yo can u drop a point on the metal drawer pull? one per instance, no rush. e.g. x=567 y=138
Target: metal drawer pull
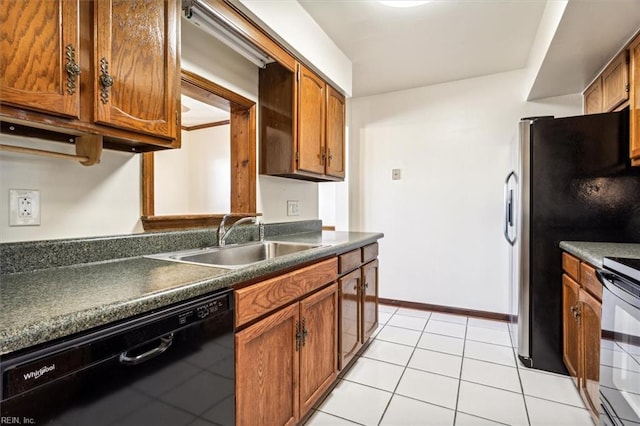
x=165 y=343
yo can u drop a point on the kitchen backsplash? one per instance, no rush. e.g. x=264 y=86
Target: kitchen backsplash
x=35 y=255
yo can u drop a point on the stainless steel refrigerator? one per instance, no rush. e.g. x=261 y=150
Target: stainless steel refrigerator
x=572 y=181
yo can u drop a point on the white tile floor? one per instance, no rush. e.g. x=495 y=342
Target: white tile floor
x=439 y=369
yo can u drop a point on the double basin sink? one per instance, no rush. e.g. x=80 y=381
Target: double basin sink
x=236 y=256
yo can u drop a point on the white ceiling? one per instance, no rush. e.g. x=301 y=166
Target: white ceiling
x=196 y=113
x=447 y=40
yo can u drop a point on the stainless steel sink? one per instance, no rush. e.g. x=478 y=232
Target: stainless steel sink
x=236 y=256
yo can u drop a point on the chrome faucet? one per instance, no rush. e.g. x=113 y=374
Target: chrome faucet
x=223 y=232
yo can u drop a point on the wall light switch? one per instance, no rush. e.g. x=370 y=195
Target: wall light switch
x=293 y=208
x=24 y=207
x=395 y=174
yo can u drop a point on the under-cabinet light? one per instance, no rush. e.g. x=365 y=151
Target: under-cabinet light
x=403 y=3
x=206 y=18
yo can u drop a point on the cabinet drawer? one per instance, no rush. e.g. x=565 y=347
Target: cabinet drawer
x=571 y=266
x=261 y=298
x=369 y=252
x=589 y=280
x=349 y=261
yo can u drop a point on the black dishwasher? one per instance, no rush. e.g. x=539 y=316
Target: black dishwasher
x=173 y=366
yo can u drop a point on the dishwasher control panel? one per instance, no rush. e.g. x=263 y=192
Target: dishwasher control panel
x=204 y=310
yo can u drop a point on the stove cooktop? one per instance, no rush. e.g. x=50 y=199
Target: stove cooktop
x=624 y=266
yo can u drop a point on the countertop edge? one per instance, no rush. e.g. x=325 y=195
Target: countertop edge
x=594 y=252
x=18 y=339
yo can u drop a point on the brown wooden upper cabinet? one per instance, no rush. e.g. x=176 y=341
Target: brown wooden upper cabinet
x=105 y=67
x=610 y=89
x=617 y=88
x=335 y=129
x=634 y=116
x=615 y=83
x=592 y=97
x=39 y=55
x=136 y=60
x=302 y=125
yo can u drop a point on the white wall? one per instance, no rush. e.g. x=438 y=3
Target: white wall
x=105 y=199
x=195 y=179
x=443 y=220
x=76 y=201
x=274 y=193
x=211 y=59
x=551 y=17
x=333 y=197
x=295 y=27
x=210 y=170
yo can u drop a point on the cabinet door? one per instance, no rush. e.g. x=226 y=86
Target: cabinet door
x=319 y=352
x=615 y=83
x=634 y=137
x=350 y=341
x=591 y=314
x=136 y=64
x=335 y=133
x=267 y=370
x=311 y=122
x=369 y=299
x=39 y=40
x=593 y=98
x=570 y=326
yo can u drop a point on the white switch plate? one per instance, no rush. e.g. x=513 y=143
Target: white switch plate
x=293 y=208
x=395 y=174
x=24 y=207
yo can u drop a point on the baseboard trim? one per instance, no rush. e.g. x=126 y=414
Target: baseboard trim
x=446 y=309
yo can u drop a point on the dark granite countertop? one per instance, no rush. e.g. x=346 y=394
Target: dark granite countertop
x=593 y=253
x=43 y=305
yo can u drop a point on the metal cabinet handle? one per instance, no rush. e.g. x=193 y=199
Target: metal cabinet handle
x=165 y=343
x=105 y=80
x=72 y=69
x=298 y=336
x=577 y=313
x=304 y=332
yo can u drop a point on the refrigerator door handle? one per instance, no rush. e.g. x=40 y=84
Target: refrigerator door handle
x=509 y=220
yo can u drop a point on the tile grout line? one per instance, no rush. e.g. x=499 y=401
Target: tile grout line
x=414 y=349
x=464 y=345
x=404 y=369
x=524 y=400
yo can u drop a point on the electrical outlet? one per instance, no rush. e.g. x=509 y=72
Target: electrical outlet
x=293 y=208
x=395 y=174
x=24 y=207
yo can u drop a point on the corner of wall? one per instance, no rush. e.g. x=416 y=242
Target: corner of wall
x=549 y=23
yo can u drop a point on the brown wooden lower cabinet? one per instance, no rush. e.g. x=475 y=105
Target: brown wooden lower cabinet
x=571 y=336
x=267 y=366
x=350 y=318
x=369 y=299
x=319 y=347
x=581 y=315
x=295 y=330
x=358 y=300
x=286 y=361
x=591 y=315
